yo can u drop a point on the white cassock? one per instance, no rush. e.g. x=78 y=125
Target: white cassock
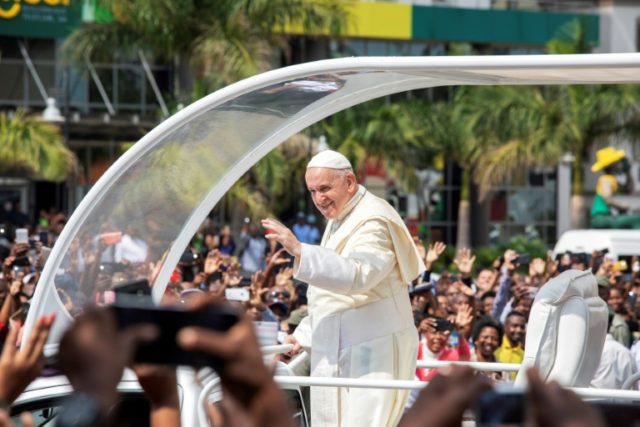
x=360 y=323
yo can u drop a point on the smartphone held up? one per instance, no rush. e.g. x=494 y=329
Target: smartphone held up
x=169 y=321
x=133 y=306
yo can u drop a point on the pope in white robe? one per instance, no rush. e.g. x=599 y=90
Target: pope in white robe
x=360 y=323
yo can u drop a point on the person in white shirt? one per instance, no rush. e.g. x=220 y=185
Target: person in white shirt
x=616 y=365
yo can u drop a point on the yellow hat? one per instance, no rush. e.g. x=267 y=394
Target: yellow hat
x=606 y=157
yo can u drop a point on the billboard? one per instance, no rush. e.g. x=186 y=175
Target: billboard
x=39 y=18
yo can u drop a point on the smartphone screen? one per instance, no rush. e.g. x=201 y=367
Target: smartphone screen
x=164 y=350
x=237 y=294
x=43 y=236
x=499 y=408
x=22 y=235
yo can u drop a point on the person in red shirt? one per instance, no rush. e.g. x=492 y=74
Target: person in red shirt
x=434 y=344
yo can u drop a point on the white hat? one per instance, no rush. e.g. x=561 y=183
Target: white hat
x=329 y=159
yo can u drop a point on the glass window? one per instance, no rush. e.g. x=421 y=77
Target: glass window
x=437 y=50
x=133 y=410
x=354 y=47
x=526 y=205
x=398 y=49
x=419 y=49
x=376 y=48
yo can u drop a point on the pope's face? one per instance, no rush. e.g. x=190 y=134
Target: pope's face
x=330 y=190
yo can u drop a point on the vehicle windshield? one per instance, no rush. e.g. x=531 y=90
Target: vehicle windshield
x=133 y=410
x=138 y=219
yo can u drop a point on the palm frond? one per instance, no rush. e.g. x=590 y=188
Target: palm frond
x=28 y=143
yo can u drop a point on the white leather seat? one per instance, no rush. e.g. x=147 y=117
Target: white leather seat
x=566 y=330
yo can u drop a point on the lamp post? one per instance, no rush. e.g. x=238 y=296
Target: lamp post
x=563 y=204
x=52 y=113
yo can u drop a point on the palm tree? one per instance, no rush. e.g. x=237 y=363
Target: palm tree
x=592 y=113
x=448 y=128
x=28 y=144
x=520 y=129
x=528 y=126
x=375 y=131
x=214 y=42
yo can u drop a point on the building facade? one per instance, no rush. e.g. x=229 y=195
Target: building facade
x=106 y=107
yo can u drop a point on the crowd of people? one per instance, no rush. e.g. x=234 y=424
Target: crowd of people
x=468 y=312
x=215 y=264
x=480 y=313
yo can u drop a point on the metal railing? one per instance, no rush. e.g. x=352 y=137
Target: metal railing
x=126 y=86
x=303 y=381
x=591 y=393
x=478 y=366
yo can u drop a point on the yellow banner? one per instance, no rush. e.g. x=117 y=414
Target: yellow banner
x=372 y=20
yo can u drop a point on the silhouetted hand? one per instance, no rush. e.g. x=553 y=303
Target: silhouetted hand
x=247 y=383
x=553 y=406
x=160 y=384
x=26 y=419
x=18 y=368
x=443 y=402
x=93 y=353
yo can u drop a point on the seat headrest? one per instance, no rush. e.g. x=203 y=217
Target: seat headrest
x=570 y=283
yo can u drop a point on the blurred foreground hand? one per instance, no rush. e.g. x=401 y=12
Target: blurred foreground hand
x=251 y=397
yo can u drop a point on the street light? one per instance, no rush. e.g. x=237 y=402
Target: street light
x=52 y=113
x=322 y=144
x=563 y=196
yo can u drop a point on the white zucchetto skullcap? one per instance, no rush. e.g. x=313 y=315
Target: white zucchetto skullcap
x=329 y=159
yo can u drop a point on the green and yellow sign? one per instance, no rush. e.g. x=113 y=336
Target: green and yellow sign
x=39 y=18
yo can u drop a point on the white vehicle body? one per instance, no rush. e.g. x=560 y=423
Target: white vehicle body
x=167 y=183
x=618 y=242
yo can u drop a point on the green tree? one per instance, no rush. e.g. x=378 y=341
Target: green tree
x=528 y=126
x=448 y=128
x=519 y=130
x=27 y=144
x=377 y=131
x=214 y=42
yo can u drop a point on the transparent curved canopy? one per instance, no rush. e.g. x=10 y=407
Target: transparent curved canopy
x=159 y=192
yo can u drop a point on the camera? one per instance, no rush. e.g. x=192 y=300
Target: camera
x=21 y=261
x=444 y=325
x=522 y=259
x=188 y=258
